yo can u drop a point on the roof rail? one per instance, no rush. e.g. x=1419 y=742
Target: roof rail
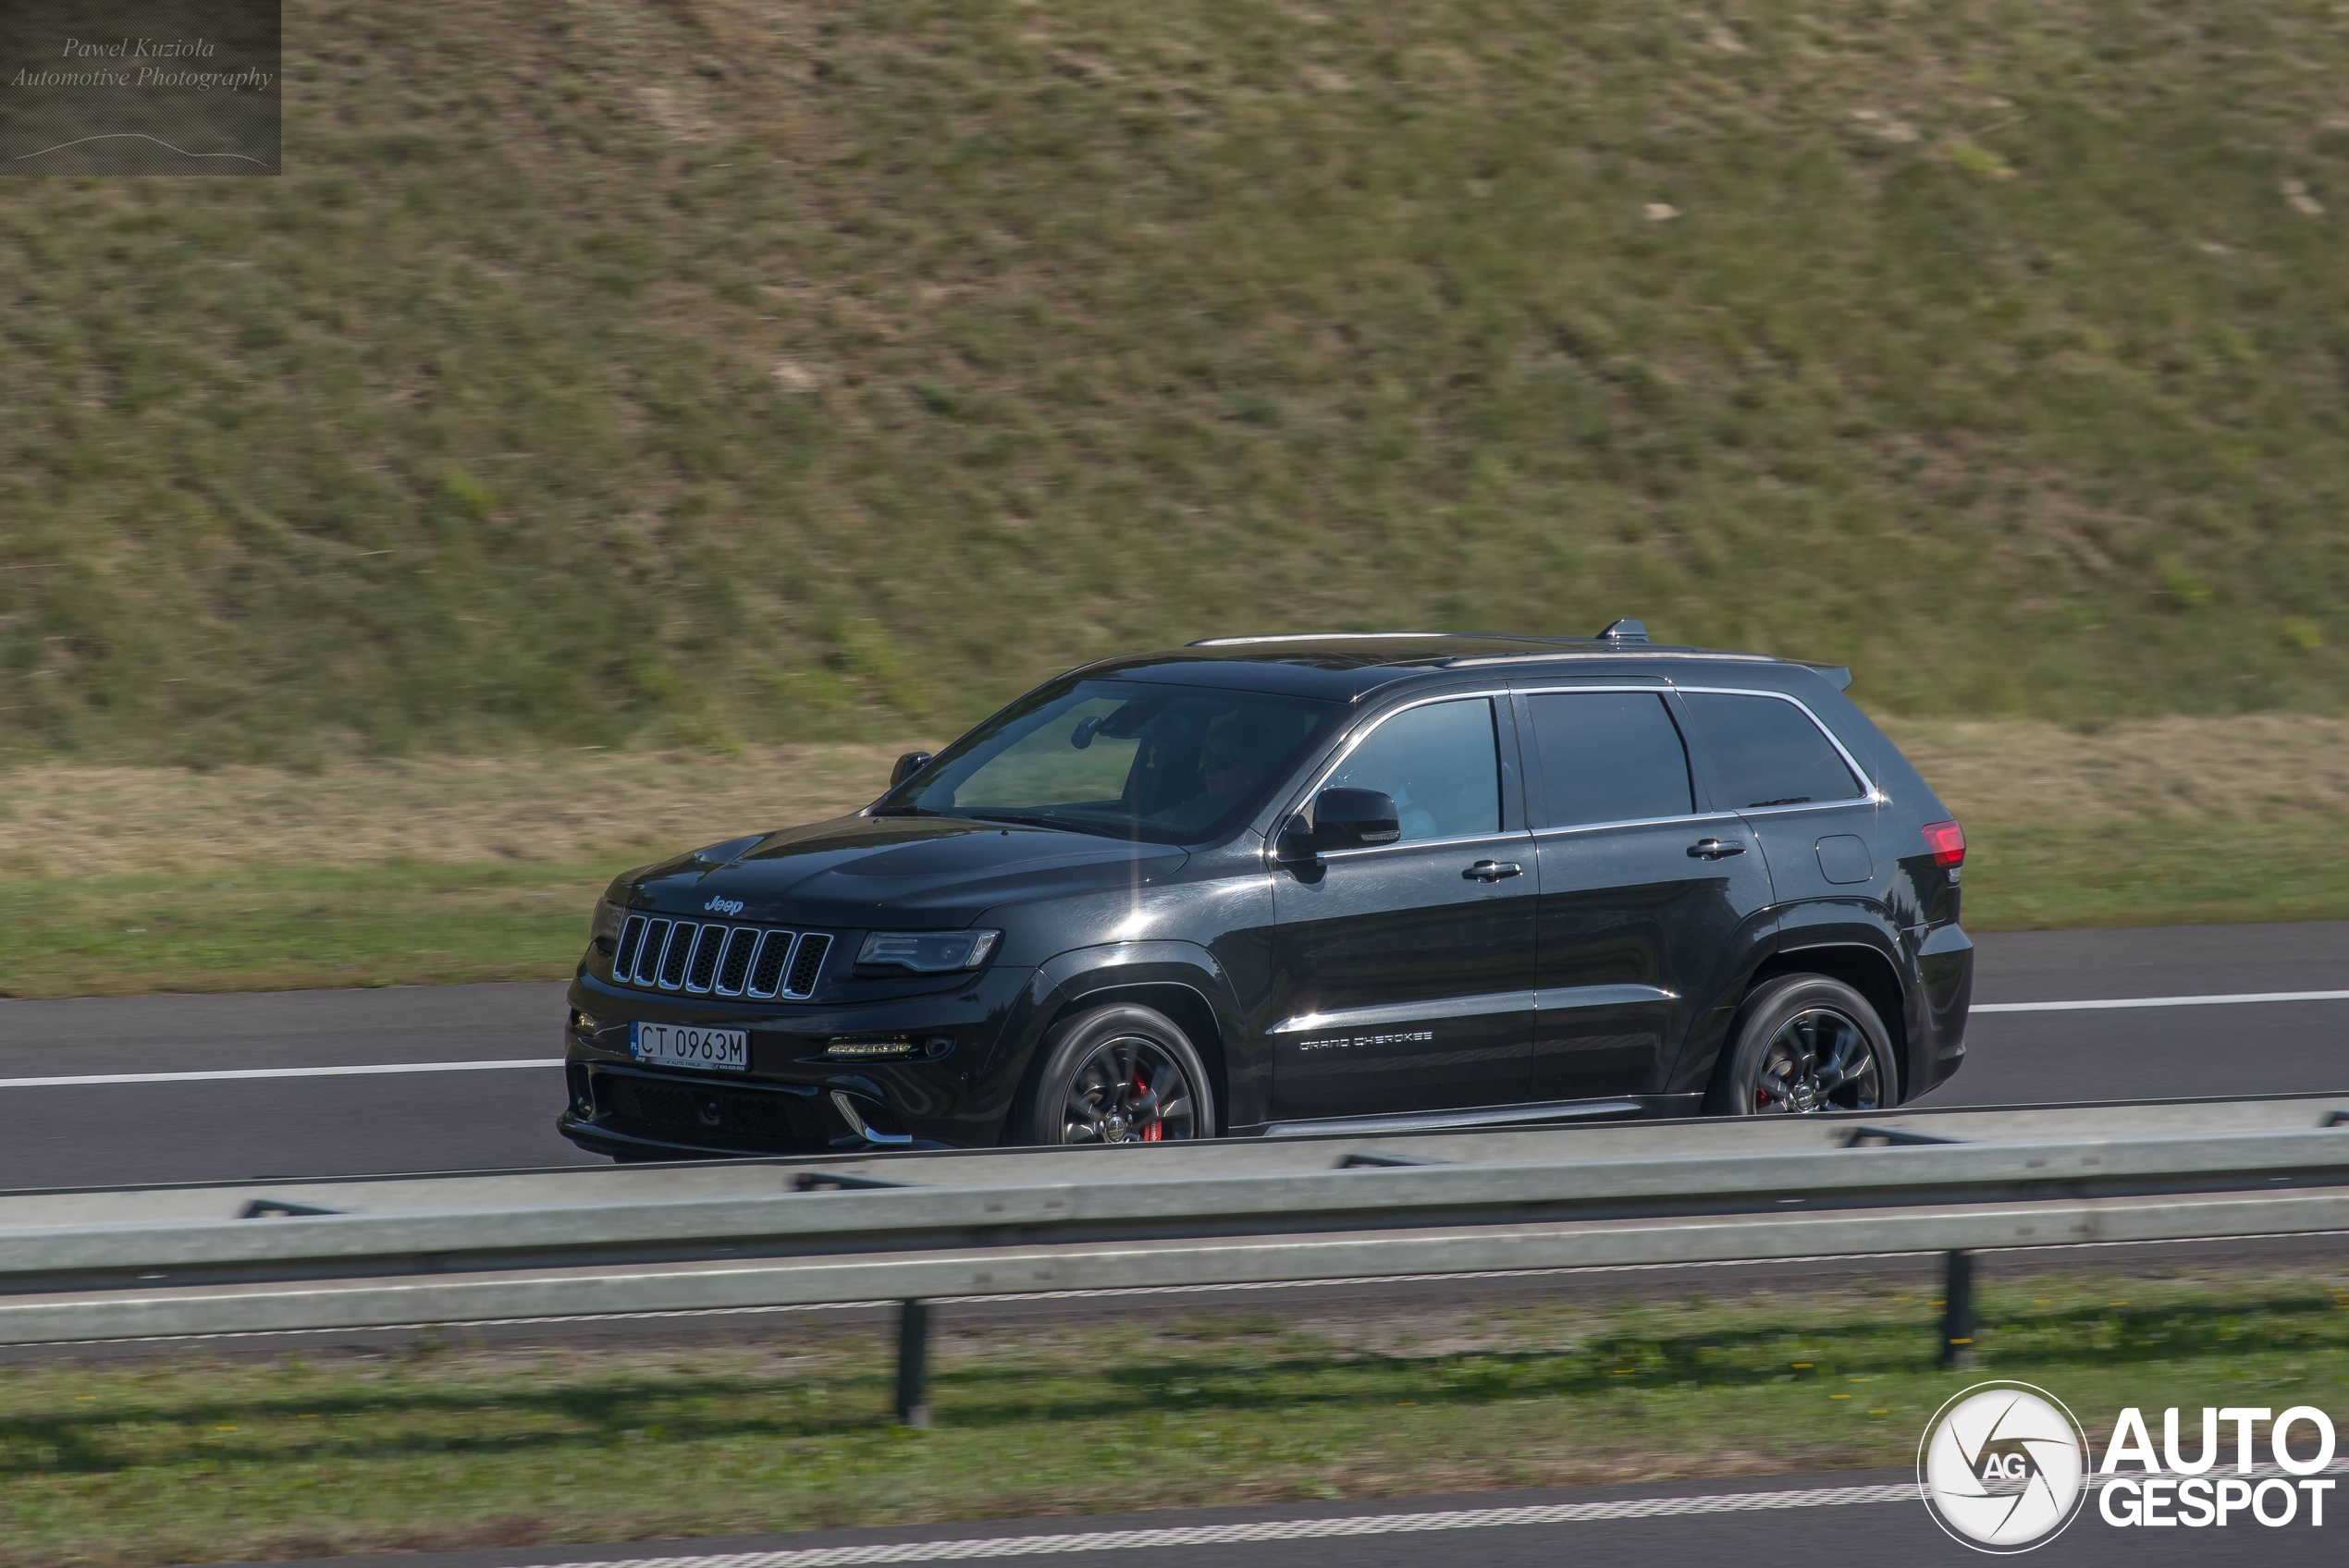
x=1319 y=637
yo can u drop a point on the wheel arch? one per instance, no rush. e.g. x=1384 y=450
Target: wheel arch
x=1178 y=979
x=1867 y=969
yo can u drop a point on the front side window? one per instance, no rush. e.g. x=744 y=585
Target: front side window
x=1610 y=756
x=1768 y=752
x=1169 y=764
x=1441 y=763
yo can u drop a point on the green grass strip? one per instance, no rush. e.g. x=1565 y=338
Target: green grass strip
x=203 y=1459
x=442 y=924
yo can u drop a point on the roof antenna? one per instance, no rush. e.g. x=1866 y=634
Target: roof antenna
x=1624 y=632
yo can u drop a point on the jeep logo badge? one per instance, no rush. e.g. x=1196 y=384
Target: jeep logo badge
x=725 y=906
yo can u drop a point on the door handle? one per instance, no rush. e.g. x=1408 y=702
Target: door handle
x=1493 y=870
x=1715 y=849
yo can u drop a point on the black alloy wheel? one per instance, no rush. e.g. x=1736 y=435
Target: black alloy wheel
x=1804 y=1045
x=1128 y=1090
x=1817 y=1061
x=1118 y=1074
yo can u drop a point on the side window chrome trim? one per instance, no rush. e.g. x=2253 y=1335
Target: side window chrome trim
x=1644 y=822
x=1516 y=835
x=1870 y=800
x=1871 y=796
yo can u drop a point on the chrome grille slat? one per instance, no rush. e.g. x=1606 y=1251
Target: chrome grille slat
x=806 y=964
x=701 y=969
x=674 y=957
x=733 y=968
x=632 y=940
x=774 y=957
x=648 y=957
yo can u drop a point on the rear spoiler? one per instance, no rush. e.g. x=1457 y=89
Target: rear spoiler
x=1838 y=676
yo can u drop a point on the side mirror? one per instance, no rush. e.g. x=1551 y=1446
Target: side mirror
x=908 y=765
x=1354 y=819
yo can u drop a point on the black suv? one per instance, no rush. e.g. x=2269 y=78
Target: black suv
x=1291 y=885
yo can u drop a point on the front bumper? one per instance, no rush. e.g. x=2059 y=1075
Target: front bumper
x=953 y=1092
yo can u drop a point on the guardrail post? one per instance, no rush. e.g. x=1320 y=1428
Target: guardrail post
x=1957 y=1312
x=913 y=1363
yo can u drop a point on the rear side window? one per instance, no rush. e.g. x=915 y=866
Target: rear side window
x=1768 y=752
x=1610 y=756
x=1442 y=765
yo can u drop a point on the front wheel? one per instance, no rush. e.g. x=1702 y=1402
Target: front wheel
x=1118 y=1074
x=1804 y=1045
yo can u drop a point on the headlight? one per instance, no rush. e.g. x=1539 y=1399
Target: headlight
x=604 y=924
x=926 y=953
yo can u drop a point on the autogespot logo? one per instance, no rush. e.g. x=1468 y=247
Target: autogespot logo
x=2003 y=1467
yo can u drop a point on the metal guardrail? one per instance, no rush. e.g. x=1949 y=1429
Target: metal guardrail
x=838 y=1234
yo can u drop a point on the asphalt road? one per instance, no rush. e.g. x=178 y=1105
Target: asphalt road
x=122 y=1132
x=1775 y=1522
x=129 y=1133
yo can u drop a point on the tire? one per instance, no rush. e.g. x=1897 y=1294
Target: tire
x=1085 y=1087
x=1804 y=1044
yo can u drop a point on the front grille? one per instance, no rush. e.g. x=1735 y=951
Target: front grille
x=776 y=1120
x=705 y=958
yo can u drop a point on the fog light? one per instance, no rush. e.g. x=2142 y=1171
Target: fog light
x=864 y=1046
x=585 y=1022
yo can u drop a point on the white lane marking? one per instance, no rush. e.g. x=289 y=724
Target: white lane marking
x=1281 y=1529
x=2164 y=1001
x=393 y=1067
x=1356 y=1525
x=370 y=1070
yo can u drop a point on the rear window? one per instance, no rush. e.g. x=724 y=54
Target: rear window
x=1610 y=756
x=1768 y=752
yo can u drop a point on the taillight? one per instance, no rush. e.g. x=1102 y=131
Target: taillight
x=1946 y=840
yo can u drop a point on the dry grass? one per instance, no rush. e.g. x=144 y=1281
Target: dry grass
x=569 y=808
x=118 y=880
x=561 y=808
x=2255 y=769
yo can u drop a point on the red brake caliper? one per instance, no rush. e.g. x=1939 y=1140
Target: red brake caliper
x=1153 y=1131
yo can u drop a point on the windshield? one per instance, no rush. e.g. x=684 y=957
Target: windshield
x=1171 y=764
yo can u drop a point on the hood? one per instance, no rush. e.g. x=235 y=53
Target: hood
x=895 y=872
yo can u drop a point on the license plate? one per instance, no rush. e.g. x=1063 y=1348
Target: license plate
x=672 y=1044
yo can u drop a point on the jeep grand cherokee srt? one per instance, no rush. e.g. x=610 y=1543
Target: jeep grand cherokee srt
x=1295 y=885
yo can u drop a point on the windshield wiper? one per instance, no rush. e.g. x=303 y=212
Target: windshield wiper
x=903 y=811
x=1788 y=801
x=1037 y=819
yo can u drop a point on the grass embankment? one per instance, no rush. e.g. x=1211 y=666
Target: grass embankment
x=206 y=1460
x=668 y=372
x=131 y=879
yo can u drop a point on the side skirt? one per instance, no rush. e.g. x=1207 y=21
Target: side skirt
x=1490 y=1115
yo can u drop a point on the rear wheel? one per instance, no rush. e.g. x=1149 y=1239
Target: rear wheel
x=1117 y=1074
x=1804 y=1045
